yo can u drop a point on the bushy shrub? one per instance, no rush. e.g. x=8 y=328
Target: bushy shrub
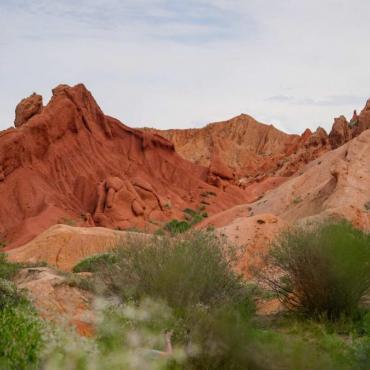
x=10 y=295
x=227 y=339
x=194 y=292
x=7 y=269
x=20 y=328
x=20 y=339
x=93 y=263
x=177 y=227
x=195 y=216
x=322 y=270
x=192 y=268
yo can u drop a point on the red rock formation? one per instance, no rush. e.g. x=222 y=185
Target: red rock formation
x=253 y=151
x=218 y=168
x=318 y=139
x=27 y=108
x=71 y=163
x=244 y=144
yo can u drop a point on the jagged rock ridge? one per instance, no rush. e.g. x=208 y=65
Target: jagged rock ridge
x=68 y=162
x=251 y=150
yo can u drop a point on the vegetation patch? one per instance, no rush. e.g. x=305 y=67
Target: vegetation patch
x=20 y=339
x=195 y=216
x=177 y=227
x=184 y=287
x=182 y=271
x=96 y=262
x=321 y=269
x=20 y=328
x=8 y=269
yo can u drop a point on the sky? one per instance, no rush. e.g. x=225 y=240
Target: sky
x=184 y=63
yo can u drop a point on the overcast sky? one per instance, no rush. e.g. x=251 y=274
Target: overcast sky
x=184 y=63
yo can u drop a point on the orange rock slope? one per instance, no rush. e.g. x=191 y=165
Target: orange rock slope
x=68 y=162
x=336 y=185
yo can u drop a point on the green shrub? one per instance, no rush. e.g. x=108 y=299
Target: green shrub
x=93 y=263
x=321 y=343
x=10 y=295
x=8 y=269
x=194 y=216
x=322 y=270
x=228 y=338
x=20 y=339
x=177 y=227
x=193 y=268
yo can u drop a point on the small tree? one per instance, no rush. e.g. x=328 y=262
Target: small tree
x=322 y=269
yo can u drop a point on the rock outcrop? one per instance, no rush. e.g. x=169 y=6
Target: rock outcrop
x=56 y=300
x=70 y=163
x=340 y=133
x=362 y=121
x=63 y=246
x=27 y=108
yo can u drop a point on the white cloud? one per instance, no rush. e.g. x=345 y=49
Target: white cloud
x=171 y=63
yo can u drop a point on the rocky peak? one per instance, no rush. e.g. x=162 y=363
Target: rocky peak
x=306 y=134
x=71 y=161
x=340 y=132
x=363 y=121
x=318 y=138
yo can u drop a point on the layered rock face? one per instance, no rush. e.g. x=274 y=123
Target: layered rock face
x=336 y=184
x=252 y=151
x=68 y=162
x=242 y=145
